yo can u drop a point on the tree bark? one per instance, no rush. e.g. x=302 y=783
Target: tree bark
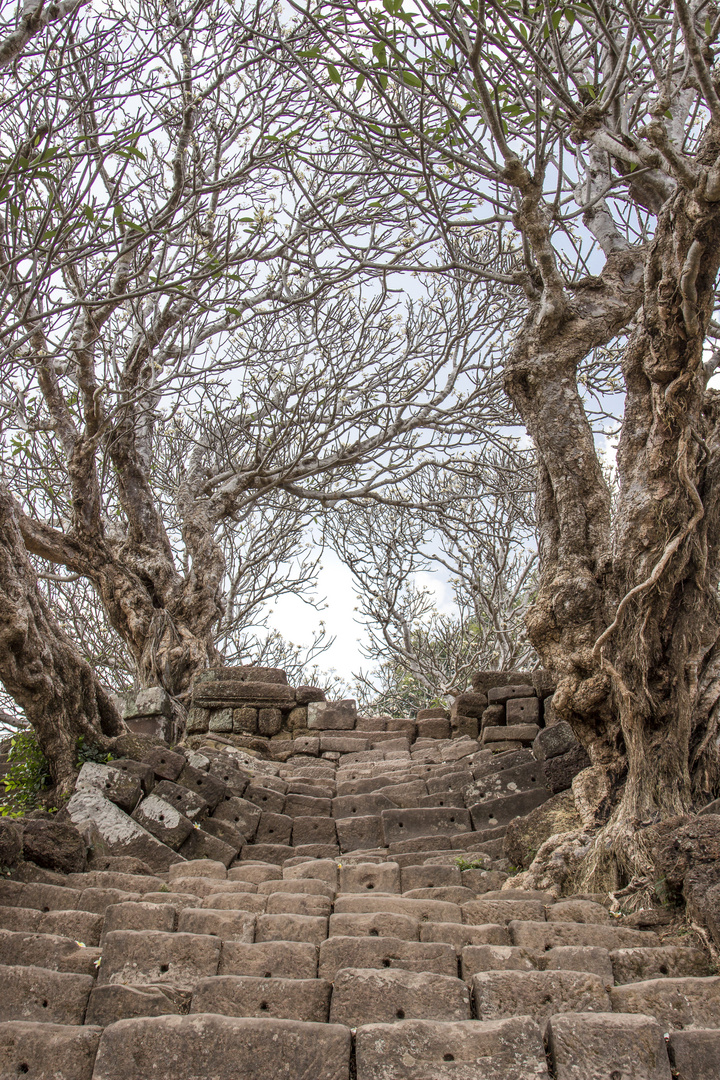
x=627 y=612
x=41 y=668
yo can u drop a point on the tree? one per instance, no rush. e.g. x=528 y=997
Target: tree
x=41 y=667
x=479 y=538
x=583 y=140
x=178 y=337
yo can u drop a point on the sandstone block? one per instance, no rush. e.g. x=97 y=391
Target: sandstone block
x=385 y=952
x=410 y=824
x=274 y=828
x=186 y=802
x=521 y=733
x=522 y=711
x=165 y=763
x=357 y=833
x=430 y=1050
x=695 y=1055
x=423 y=910
x=145 y=957
x=266 y=798
x=540 y=994
x=235 y=901
x=501 y=694
x=51 y=951
x=120 y=835
x=476 y=958
x=307 y=928
x=553 y=741
x=480 y=912
x=47 y=1051
x=560 y=771
x=236 y=693
x=332 y=716
x=202 y=783
x=434 y=728
x=110 y=1003
x=283 y=903
x=307 y=806
x=381 y=877
x=82 y=926
x=37 y=994
x=279 y=999
x=673 y=961
x=120 y=787
x=460 y=935
x=270 y=959
x=596 y=1046
x=368 y=995
x=374 y=924
x=578 y=958
x=227 y=925
x=313 y=830
x=203 y=845
x=140 y=915
x=546 y=935
x=675 y=1003
x=240 y=1047
x=163 y=820
x=502 y=811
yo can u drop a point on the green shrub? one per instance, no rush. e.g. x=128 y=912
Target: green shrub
x=91 y=753
x=471 y=864
x=28 y=776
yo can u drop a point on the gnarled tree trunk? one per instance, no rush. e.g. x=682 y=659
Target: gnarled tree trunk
x=41 y=668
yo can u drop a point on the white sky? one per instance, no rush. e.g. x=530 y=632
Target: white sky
x=296 y=620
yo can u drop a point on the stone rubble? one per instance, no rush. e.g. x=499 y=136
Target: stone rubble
x=338 y=907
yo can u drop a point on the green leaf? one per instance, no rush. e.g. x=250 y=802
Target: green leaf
x=556 y=19
x=411 y=80
x=359 y=82
x=334 y=74
x=708 y=27
x=379 y=53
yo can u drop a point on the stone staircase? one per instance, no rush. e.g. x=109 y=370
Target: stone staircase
x=345 y=915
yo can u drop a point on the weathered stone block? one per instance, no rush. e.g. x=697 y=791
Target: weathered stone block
x=270 y=959
x=502 y=694
x=597 y=1046
x=118 y=786
x=336 y=716
x=119 y=834
x=146 y=957
x=221 y=720
x=47 y=1051
x=522 y=711
x=131 y=1049
x=281 y=999
x=37 y=994
x=162 y=820
x=269 y=721
x=108 y=1004
x=368 y=995
x=430 y=1050
x=695 y=1055
x=540 y=994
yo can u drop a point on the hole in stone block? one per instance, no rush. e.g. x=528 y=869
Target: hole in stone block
x=663 y=969
x=386 y=962
x=46 y=909
x=23 y=1067
x=369 y=885
x=264 y=1006
x=374 y=933
x=400 y=825
x=452 y=819
x=164 y=968
x=161 y=817
x=400 y=1014
x=44 y=1004
x=448 y=1057
x=267 y=975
